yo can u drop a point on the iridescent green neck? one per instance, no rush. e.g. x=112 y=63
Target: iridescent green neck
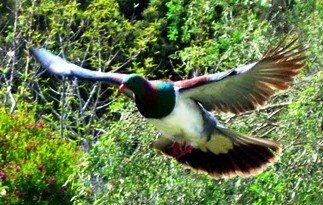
x=157 y=101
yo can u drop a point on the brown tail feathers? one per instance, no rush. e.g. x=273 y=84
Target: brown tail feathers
x=227 y=154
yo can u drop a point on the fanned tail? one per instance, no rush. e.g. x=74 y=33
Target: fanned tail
x=227 y=154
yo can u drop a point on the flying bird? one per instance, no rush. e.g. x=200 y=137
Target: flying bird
x=182 y=110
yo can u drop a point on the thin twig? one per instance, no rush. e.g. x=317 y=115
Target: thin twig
x=229 y=118
x=93 y=91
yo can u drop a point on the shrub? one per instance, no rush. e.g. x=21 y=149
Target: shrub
x=34 y=162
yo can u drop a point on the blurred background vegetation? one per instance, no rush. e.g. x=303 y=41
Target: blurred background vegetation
x=73 y=142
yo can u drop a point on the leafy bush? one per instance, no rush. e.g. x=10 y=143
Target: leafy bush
x=34 y=163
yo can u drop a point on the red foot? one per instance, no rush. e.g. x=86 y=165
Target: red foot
x=179 y=150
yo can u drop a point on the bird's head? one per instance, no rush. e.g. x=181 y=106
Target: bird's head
x=154 y=99
x=135 y=83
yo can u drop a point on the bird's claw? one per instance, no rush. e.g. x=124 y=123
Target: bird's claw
x=179 y=150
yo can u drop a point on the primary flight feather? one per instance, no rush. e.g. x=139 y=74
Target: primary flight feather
x=181 y=110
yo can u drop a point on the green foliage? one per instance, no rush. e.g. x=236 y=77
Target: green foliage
x=160 y=39
x=35 y=163
x=175 y=9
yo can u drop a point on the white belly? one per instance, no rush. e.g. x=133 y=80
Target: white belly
x=185 y=123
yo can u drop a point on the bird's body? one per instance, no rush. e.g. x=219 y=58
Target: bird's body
x=181 y=110
x=184 y=123
x=178 y=118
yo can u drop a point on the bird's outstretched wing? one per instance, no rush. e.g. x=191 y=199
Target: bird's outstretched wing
x=58 y=66
x=242 y=89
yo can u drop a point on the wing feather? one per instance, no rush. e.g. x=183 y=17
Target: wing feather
x=242 y=89
x=58 y=66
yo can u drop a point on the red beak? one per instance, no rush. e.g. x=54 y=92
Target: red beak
x=122 y=87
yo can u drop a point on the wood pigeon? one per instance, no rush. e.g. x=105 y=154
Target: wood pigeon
x=181 y=110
